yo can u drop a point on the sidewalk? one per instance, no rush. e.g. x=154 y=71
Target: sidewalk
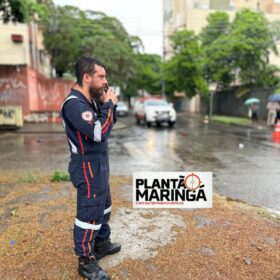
x=53 y=127
x=242 y=122
x=230 y=241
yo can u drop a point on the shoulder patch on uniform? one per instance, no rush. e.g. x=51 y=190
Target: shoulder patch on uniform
x=87 y=116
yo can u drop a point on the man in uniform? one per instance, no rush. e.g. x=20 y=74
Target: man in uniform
x=88 y=118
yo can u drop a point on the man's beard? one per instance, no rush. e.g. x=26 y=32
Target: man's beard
x=96 y=93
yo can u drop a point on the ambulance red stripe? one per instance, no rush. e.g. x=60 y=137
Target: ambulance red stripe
x=84 y=164
x=86 y=177
x=107 y=120
x=83 y=243
x=90 y=239
x=107 y=127
x=81 y=142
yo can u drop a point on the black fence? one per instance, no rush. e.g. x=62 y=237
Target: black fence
x=231 y=102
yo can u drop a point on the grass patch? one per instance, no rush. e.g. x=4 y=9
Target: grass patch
x=60 y=176
x=28 y=178
x=231 y=120
x=234 y=199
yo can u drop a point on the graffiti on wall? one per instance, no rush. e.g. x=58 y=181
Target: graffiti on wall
x=34 y=92
x=7 y=113
x=11 y=115
x=50 y=93
x=12 y=89
x=37 y=117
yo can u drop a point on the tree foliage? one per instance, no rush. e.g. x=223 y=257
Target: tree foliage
x=218 y=25
x=275 y=29
x=223 y=53
x=184 y=71
x=216 y=48
x=70 y=33
x=21 y=10
x=149 y=73
x=251 y=45
x=147 y=76
x=241 y=51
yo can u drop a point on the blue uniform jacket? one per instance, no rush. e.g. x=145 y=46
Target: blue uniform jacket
x=87 y=125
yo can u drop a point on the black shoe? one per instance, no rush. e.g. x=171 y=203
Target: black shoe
x=89 y=269
x=104 y=247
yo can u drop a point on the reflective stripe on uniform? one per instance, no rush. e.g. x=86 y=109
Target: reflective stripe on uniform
x=97 y=131
x=87 y=225
x=68 y=98
x=73 y=146
x=63 y=123
x=107 y=210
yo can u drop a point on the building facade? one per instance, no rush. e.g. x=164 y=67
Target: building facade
x=25 y=73
x=22 y=44
x=192 y=15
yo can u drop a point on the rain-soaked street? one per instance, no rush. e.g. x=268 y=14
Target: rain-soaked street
x=250 y=174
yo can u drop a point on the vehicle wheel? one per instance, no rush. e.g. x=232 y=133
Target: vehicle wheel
x=158 y=124
x=149 y=124
x=171 y=124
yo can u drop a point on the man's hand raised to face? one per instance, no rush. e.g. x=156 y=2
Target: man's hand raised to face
x=110 y=95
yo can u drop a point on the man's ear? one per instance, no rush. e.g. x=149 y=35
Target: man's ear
x=86 y=77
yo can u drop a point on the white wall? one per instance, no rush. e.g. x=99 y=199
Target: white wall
x=14 y=53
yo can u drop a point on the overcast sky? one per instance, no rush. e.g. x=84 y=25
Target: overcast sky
x=140 y=17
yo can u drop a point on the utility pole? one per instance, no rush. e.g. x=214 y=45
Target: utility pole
x=212 y=90
x=185 y=13
x=163 y=47
x=258 y=6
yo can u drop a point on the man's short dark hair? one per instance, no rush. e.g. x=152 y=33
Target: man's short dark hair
x=86 y=65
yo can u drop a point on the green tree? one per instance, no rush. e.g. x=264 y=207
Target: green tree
x=184 y=71
x=71 y=33
x=218 y=25
x=218 y=61
x=240 y=50
x=252 y=43
x=110 y=42
x=217 y=49
x=63 y=37
x=21 y=10
x=147 y=75
x=275 y=29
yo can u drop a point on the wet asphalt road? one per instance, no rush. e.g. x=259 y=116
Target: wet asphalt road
x=251 y=174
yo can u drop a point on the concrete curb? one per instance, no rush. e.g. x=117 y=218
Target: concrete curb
x=259 y=127
x=55 y=129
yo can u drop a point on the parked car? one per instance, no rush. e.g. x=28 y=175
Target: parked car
x=122 y=109
x=156 y=111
